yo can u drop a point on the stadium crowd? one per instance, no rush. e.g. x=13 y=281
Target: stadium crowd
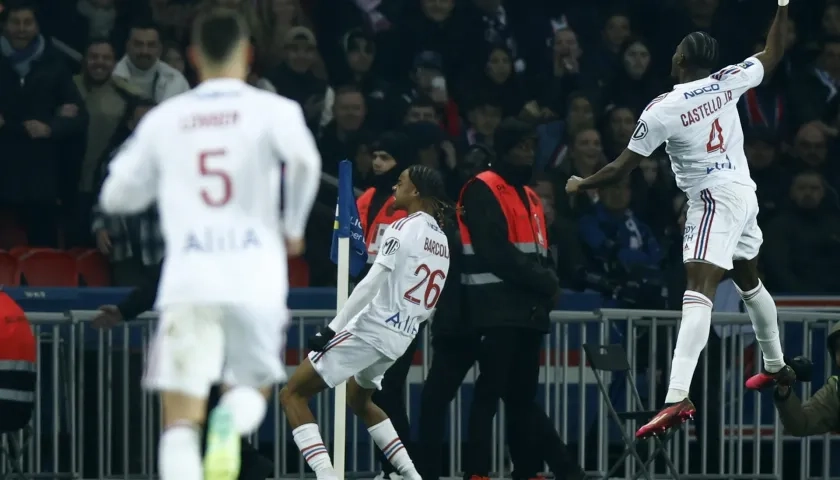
x=438 y=76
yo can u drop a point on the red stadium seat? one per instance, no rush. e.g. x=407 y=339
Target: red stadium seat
x=49 y=268
x=93 y=268
x=77 y=252
x=298 y=273
x=9 y=274
x=21 y=250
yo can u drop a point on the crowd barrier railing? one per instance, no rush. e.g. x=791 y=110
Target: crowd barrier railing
x=92 y=420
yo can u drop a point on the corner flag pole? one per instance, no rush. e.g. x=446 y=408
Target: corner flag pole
x=340 y=425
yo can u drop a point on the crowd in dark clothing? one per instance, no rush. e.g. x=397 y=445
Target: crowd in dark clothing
x=445 y=73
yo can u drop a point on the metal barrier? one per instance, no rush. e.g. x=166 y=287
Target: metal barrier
x=93 y=421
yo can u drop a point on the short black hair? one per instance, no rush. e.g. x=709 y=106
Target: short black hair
x=701 y=50
x=18 y=5
x=97 y=40
x=145 y=24
x=422 y=100
x=217 y=32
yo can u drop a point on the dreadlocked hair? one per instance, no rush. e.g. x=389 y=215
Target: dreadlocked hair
x=430 y=186
x=701 y=50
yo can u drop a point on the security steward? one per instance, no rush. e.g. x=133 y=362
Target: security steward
x=141 y=299
x=509 y=289
x=455 y=350
x=393 y=152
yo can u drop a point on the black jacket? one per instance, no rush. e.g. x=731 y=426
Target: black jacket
x=142 y=298
x=448 y=319
x=530 y=283
x=29 y=168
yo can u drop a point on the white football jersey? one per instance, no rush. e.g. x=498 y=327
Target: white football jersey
x=700 y=125
x=215 y=159
x=416 y=252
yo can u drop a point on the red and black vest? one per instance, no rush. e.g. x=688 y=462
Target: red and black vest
x=17 y=354
x=384 y=217
x=488 y=299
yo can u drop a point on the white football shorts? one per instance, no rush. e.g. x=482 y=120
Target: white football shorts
x=196 y=346
x=347 y=355
x=721 y=226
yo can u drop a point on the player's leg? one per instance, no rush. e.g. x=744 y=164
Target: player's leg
x=254 y=342
x=761 y=308
x=391 y=398
x=185 y=359
x=360 y=390
x=713 y=223
x=325 y=369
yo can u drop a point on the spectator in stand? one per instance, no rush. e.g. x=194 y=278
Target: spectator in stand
x=360 y=52
x=133 y=244
x=484 y=113
x=107 y=99
x=761 y=146
x=421 y=109
x=563 y=75
x=619 y=123
x=336 y=139
x=437 y=151
x=613 y=231
x=427 y=78
x=40 y=108
x=173 y=55
x=766 y=106
x=431 y=25
x=362 y=156
x=295 y=78
x=273 y=21
x=614 y=34
x=486 y=21
x=495 y=75
x=802 y=242
x=142 y=67
x=810 y=152
x=552 y=138
x=585 y=157
x=813 y=94
x=635 y=84
x=652 y=188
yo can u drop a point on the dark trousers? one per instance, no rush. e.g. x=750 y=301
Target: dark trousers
x=509 y=364
x=254 y=466
x=391 y=399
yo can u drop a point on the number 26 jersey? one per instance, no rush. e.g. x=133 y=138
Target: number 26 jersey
x=415 y=251
x=700 y=125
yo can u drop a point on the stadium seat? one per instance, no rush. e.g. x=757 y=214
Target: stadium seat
x=48 y=268
x=93 y=268
x=298 y=273
x=9 y=274
x=76 y=252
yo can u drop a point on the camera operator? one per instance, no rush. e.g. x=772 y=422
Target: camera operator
x=819 y=414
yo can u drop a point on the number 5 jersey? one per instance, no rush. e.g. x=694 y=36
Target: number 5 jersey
x=415 y=251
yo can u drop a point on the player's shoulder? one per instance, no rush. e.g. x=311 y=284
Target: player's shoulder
x=277 y=103
x=737 y=71
x=409 y=223
x=660 y=103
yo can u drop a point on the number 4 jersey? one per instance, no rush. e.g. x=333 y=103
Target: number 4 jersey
x=217 y=161
x=700 y=125
x=415 y=251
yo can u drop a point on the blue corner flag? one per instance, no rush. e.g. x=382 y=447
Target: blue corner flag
x=347 y=223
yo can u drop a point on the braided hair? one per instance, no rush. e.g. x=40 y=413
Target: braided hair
x=430 y=186
x=700 y=50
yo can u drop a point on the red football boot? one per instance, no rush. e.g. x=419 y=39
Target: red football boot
x=671 y=416
x=786 y=376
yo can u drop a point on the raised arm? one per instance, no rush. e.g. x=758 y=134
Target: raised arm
x=774 y=49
